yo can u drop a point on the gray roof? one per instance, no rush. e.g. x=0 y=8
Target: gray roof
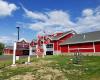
x=62 y=35
x=9 y=47
x=82 y=38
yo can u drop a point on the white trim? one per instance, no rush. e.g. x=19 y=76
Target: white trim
x=60 y=49
x=81 y=42
x=80 y=48
x=68 y=49
x=94 y=47
x=44 y=48
x=63 y=35
x=57 y=47
x=53 y=48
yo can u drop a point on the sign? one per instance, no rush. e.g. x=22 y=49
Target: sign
x=22 y=48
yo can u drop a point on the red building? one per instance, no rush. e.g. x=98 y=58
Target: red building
x=22 y=48
x=70 y=42
x=53 y=42
x=66 y=42
x=58 y=39
x=85 y=42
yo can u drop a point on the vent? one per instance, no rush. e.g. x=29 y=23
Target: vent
x=84 y=36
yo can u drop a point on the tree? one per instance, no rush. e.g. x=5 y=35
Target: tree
x=1 y=48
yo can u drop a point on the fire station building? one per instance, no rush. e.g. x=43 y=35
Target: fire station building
x=63 y=43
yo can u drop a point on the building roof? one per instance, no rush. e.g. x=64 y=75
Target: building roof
x=61 y=35
x=22 y=39
x=22 y=45
x=82 y=38
x=9 y=47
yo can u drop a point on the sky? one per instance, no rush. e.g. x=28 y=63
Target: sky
x=52 y=16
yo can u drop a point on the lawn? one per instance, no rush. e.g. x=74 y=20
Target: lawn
x=56 y=67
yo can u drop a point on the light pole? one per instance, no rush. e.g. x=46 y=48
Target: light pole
x=18 y=28
x=14 y=50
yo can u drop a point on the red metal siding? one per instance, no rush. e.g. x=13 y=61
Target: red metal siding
x=55 y=45
x=83 y=47
x=97 y=46
x=8 y=51
x=64 y=49
x=11 y=51
x=82 y=50
x=63 y=39
x=86 y=50
x=19 y=52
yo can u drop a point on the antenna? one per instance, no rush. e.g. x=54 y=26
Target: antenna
x=84 y=36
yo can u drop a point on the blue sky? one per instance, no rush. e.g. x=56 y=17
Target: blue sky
x=35 y=16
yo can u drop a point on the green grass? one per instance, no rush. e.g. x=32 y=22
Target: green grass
x=88 y=69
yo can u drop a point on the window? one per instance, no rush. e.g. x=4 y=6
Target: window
x=49 y=46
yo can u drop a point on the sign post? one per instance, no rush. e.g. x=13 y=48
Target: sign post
x=37 y=51
x=44 y=48
x=14 y=55
x=30 y=53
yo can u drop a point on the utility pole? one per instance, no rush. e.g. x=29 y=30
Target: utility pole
x=14 y=49
x=18 y=28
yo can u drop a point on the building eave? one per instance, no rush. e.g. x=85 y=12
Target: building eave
x=79 y=42
x=63 y=36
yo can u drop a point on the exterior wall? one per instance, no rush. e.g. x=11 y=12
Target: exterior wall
x=59 y=48
x=8 y=51
x=82 y=50
x=19 y=52
x=83 y=47
x=63 y=39
x=55 y=46
x=97 y=46
x=64 y=49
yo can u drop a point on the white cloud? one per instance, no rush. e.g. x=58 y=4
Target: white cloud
x=59 y=20
x=89 y=22
x=7 y=39
x=6 y=8
x=59 y=17
x=49 y=20
x=37 y=26
x=87 y=12
x=34 y=15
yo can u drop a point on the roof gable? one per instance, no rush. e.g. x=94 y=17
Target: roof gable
x=62 y=35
